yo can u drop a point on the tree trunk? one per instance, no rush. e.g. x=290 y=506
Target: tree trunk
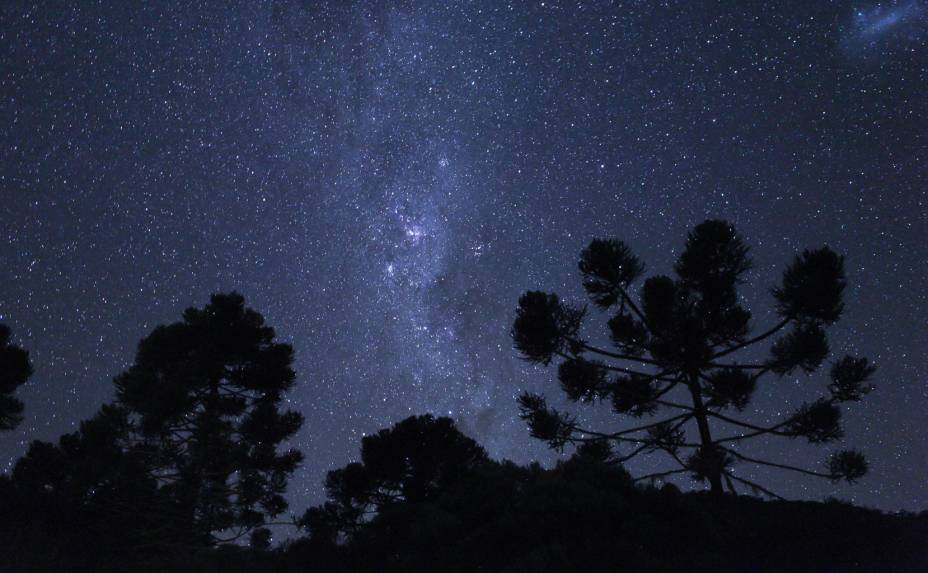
x=705 y=435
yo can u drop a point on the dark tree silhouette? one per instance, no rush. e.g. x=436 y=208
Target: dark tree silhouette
x=15 y=370
x=686 y=335
x=91 y=498
x=202 y=404
x=426 y=499
x=409 y=463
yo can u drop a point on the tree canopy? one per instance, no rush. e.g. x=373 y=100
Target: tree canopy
x=186 y=457
x=202 y=403
x=688 y=336
x=411 y=463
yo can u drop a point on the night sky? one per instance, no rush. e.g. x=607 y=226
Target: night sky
x=383 y=179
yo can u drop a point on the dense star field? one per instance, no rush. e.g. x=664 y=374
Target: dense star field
x=382 y=180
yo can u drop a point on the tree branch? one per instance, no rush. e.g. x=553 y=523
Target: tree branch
x=619 y=356
x=601 y=436
x=728 y=482
x=675 y=405
x=645 y=444
x=661 y=376
x=651 y=425
x=754 y=340
x=770 y=430
x=775 y=465
x=669 y=387
x=627 y=457
x=636 y=310
x=661 y=474
x=736 y=366
x=753 y=485
x=758 y=429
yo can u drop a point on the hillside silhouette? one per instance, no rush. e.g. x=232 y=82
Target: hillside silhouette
x=584 y=514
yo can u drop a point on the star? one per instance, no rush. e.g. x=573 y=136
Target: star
x=382 y=183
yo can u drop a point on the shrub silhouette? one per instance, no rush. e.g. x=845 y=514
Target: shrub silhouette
x=683 y=335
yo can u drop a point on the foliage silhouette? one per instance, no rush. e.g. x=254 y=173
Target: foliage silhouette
x=202 y=407
x=188 y=454
x=15 y=370
x=449 y=508
x=90 y=503
x=186 y=457
x=684 y=335
x=409 y=463
x=585 y=514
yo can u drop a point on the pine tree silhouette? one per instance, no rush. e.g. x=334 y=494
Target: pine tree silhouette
x=684 y=336
x=202 y=402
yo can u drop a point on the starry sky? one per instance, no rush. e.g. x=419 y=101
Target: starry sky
x=383 y=179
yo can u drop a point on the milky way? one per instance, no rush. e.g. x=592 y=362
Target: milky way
x=892 y=25
x=382 y=181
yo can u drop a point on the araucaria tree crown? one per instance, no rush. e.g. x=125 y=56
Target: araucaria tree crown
x=678 y=348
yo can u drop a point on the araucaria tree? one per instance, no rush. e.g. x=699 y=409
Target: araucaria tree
x=679 y=348
x=15 y=369
x=202 y=402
